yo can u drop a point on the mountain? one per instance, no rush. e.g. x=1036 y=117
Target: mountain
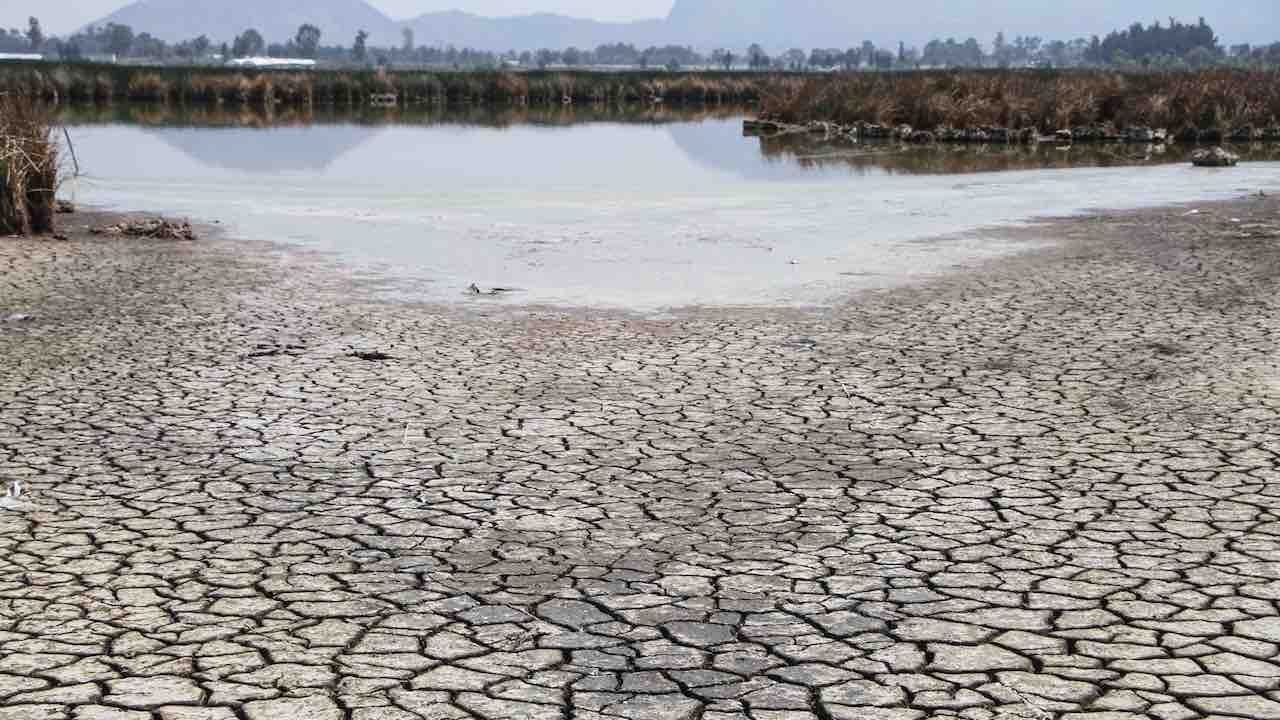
x=705 y=24
x=277 y=20
x=527 y=32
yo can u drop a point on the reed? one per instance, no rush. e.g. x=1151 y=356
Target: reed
x=28 y=169
x=82 y=83
x=1223 y=100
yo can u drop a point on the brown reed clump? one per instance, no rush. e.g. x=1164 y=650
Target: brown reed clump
x=1222 y=100
x=28 y=169
x=148 y=87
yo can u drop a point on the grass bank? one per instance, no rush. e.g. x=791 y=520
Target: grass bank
x=1186 y=103
x=28 y=169
x=77 y=83
x=249 y=116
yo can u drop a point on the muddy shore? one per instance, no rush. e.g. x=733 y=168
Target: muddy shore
x=1043 y=488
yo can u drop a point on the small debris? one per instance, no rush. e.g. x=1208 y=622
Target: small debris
x=475 y=290
x=801 y=343
x=19 y=317
x=372 y=356
x=158 y=228
x=12 y=499
x=61 y=236
x=65 y=207
x=264 y=350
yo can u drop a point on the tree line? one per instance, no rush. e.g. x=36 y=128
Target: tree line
x=1171 y=46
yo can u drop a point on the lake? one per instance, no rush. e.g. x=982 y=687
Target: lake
x=649 y=211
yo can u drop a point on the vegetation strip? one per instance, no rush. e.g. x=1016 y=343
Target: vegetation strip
x=996 y=106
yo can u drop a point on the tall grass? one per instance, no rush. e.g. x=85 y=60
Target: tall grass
x=1223 y=100
x=28 y=168
x=80 y=83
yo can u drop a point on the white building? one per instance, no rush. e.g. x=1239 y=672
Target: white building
x=21 y=57
x=270 y=63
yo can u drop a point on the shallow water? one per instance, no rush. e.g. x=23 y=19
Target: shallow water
x=643 y=215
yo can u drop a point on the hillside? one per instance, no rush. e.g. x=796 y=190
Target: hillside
x=706 y=24
x=531 y=31
x=277 y=20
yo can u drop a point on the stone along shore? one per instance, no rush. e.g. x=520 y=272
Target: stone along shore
x=240 y=487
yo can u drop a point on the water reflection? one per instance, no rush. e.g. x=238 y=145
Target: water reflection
x=641 y=208
x=170 y=116
x=706 y=135
x=878 y=157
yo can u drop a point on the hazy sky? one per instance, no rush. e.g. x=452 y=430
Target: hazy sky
x=60 y=16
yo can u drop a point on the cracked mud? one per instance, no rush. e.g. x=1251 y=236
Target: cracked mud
x=1041 y=489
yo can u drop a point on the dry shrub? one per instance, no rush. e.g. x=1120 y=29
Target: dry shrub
x=28 y=168
x=1221 y=99
x=148 y=87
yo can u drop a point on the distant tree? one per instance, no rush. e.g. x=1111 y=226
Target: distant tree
x=1001 y=51
x=307 y=40
x=35 y=35
x=723 y=58
x=225 y=52
x=248 y=44
x=200 y=46
x=794 y=59
x=572 y=57
x=360 y=50
x=119 y=39
x=545 y=58
x=1201 y=57
x=757 y=58
x=407 y=44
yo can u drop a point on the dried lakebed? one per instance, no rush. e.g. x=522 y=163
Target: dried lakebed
x=1044 y=488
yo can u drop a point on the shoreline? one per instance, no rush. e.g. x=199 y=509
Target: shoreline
x=1031 y=236
x=251 y=486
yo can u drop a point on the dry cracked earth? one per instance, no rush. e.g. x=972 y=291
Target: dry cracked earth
x=247 y=488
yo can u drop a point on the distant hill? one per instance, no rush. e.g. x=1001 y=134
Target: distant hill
x=527 y=32
x=705 y=24
x=277 y=20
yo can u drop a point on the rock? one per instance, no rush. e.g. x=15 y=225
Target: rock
x=1187 y=134
x=1212 y=135
x=65 y=207
x=1139 y=134
x=922 y=137
x=1214 y=158
x=1246 y=133
x=755 y=128
x=1064 y=136
x=874 y=132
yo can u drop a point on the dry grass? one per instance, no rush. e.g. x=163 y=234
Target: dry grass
x=1222 y=100
x=28 y=169
x=85 y=83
